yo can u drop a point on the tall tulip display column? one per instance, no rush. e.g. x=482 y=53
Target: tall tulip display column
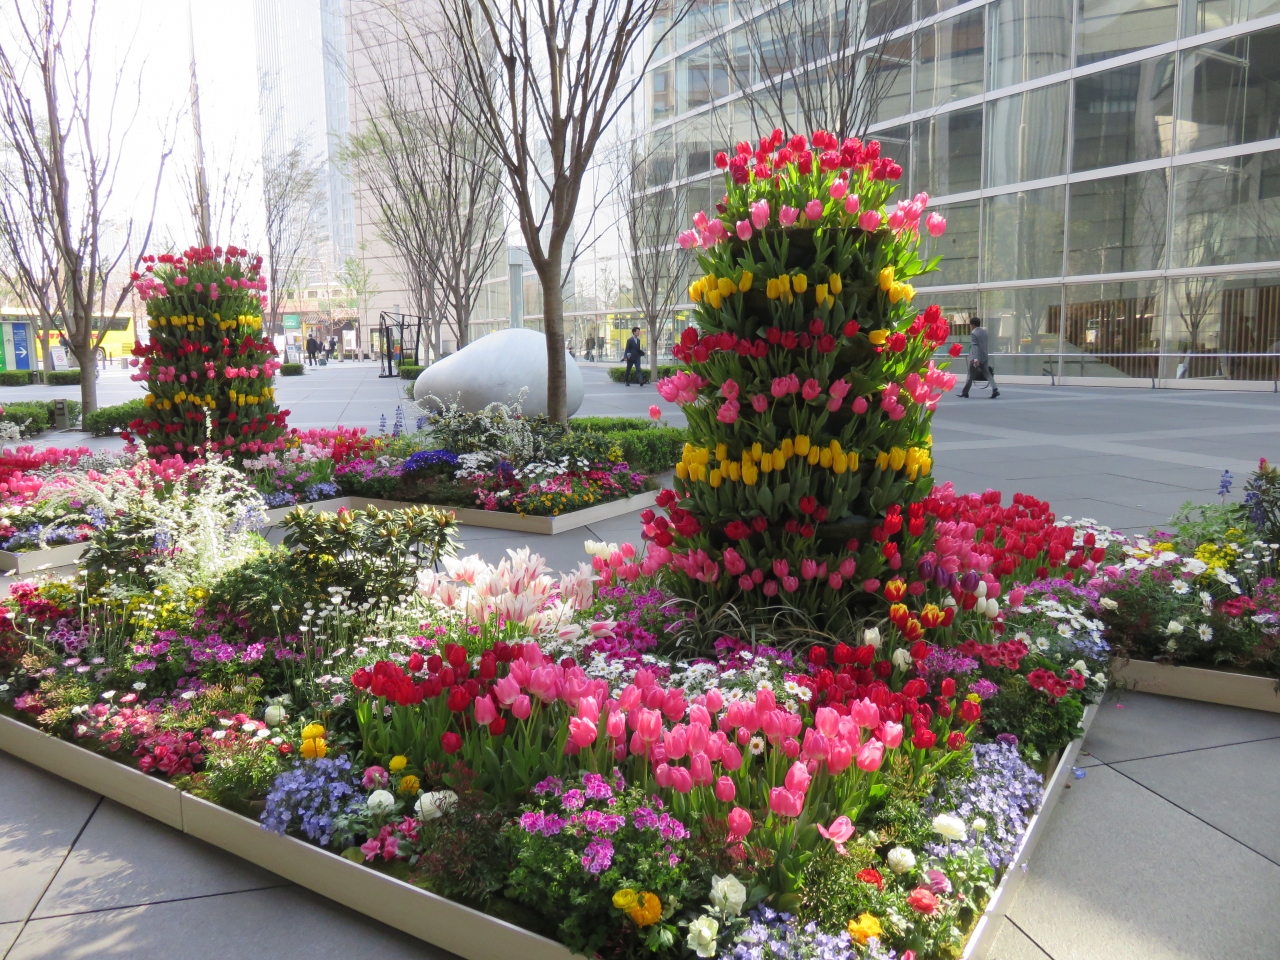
x=809 y=388
x=207 y=366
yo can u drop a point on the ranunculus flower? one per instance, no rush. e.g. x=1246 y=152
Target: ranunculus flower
x=900 y=860
x=728 y=894
x=702 y=936
x=380 y=802
x=922 y=900
x=950 y=826
x=433 y=805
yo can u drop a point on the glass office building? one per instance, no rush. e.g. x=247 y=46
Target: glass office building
x=1109 y=171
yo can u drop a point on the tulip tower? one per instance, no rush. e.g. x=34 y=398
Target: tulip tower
x=207 y=366
x=809 y=386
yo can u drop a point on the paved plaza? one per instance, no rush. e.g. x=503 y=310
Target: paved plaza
x=1165 y=847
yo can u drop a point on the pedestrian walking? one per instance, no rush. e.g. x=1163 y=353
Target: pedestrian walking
x=313 y=347
x=633 y=354
x=979 y=359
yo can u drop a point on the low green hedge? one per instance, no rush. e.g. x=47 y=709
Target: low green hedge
x=105 y=421
x=646 y=446
x=292 y=369
x=409 y=371
x=616 y=374
x=62 y=378
x=15 y=378
x=37 y=415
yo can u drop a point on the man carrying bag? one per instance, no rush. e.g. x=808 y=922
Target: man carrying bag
x=979 y=360
x=633 y=354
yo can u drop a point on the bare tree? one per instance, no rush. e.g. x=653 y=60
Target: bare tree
x=657 y=264
x=63 y=144
x=358 y=279
x=221 y=201
x=546 y=80
x=293 y=195
x=808 y=65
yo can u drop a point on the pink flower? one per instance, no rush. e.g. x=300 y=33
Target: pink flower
x=728 y=412
x=371 y=848
x=864 y=713
x=839 y=756
x=582 y=731
x=739 y=824
x=860 y=405
x=729 y=389
x=786 y=803
x=681 y=780
x=725 y=790
x=871 y=755
x=936 y=224
x=839 y=832
x=744 y=230
x=655 y=412
x=759 y=403
x=700 y=769
x=890 y=734
x=522 y=707
x=486 y=712
x=811 y=389
x=869 y=221
x=375 y=778
x=731 y=757
x=616 y=725
x=760 y=214
x=798 y=778
x=813 y=210
x=851 y=205
x=688 y=239
x=787 y=215
x=838 y=189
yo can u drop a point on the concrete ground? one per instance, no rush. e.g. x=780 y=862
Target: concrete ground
x=1167 y=848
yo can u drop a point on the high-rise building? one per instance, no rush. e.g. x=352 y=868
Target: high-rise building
x=1109 y=170
x=303 y=99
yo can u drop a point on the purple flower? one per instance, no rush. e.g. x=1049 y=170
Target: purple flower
x=572 y=800
x=984 y=688
x=598 y=856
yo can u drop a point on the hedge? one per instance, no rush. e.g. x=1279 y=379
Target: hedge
x=107 y=420
x=62 y=378
x=37 y=414
x=292 y=369
x=409 y=371
x=616 y=374
x=15 y=378
x=645 y=446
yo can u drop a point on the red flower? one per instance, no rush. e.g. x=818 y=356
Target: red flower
x=956 y=740
x=922 y=900
x=451 y=742
x=924 y=739
x=872 y=876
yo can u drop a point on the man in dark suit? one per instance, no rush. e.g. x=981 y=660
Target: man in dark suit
x=633 y=354
x=979 y=359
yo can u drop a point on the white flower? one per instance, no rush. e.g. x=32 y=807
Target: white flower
x=189 y=695
x=1023 y=637
x=274 y=715
x=1180 y=587
x=1206 y=632
x=139 y=686
x=756 y=746
x=702 y=936
x=871 y=637
x=728 y=894
x=902 y=658
x=979 y=825
x=900 y=860
x=1194 y=567
x=1042 y=643
x=1171 y=645
x=1174 y=628
x=380 y=802
x=950 y=826
x=1064 y=630
x=218 y=734
x=108 y=694
x=433 y=805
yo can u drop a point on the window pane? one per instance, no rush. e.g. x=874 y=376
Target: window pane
x=1119 y=223
x=949 y=60
x=662 y=93
x=1022 y=329
x=1108 y=28
x=1201 y=16
x=896 y=144
x=1124 y=115
x=958 y=246
x=889 y=79
x=1023 y=234
x=1211 y=318
x=704 y=16
x=1027 y=39
x=1106 y=321
x=1027 y=136
x=1231 y=92
x=885 y=16
x=1228 y=211
x=948 y=152
x=693 y=149
x=957 y=307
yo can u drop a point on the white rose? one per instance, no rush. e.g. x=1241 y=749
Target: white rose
x=901 y=860
x=728 y=894
x=431 y=806
x=380 y=802
x=702 y=936
x=1174 y=628
x=979 y=825
x=274 y=715
x=950 y=826
x=871 y=637
x=1108 y=604
x=902 y=658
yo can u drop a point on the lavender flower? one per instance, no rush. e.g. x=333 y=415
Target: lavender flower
x=1004 y=791
x=775 y=936
x=311 y=796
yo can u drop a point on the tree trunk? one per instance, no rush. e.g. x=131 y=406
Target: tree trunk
x=553 y=328
x=88 y=380
x=653 y=348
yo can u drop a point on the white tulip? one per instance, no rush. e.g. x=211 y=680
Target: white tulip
x=871 y=637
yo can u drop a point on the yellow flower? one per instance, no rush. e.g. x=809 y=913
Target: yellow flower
x=745 y=283
x=882 y=460
x=878 y=337
x=626 y=899
x=886 y=279
x=814 y=454
x=801 y=445
x=722 y=451
x=727 y=287
x=835 y=282
x=682 y=470
x=315 y=748
x=824 y=458
x=820 y=293
x=800 y=283
x=312 y=730
x=408 y=784
x=398 y=763
x=757 y=451
x=864 y=928
x=771 y=288
x=735 y=471
x=897 y=457
x=788 y=449
x=648 y=911
x=695 y=290
x=713 y=299
x=839 y=463
x=715 y=478
x=749 y=476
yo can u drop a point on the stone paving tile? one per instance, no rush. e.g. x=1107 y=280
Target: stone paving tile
x=1233 y=788
x=1132 y=726
x=8 y=933
x=1121 y=874
x=40 y=817
x=281 y=924
x=124 y=859
x=1012 y=944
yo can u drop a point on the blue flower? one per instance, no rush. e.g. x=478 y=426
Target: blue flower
x=424 y=459
x=311 y=796
x=1003 y=790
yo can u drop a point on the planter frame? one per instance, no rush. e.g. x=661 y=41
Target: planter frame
x=23 y=563
x=437 y=920
x=1197 y=683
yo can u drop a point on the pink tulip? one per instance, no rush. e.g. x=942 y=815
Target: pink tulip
x=700 y=220
x=811 y=389
x=813 y=210
x=731 y=757
x=890 y=734
x=698 y=713
x=790 y=584
x=759 y=403
x=897 y=220
x=507 y=690
x=725 y=790
x=815 y=745
x=676 y=742
x=629 y=699
x=655 y=412
x=771 y=724
x=808 y=568
x=791 y=747
x=765 y=700
x=871 y=755
x=745 y=583
x=786 y=803
x=587 y=709
x=787 y=215
x=639 y=745
x=581 y=731
x=698 y=736
x=715 y=700
x=650 y=725
x=798 y=777
x=688 y=239
x=870 y=221
x=700 y=770
x=728 y=412
x=522 y=707
x=681 y=780
x=616 y=725
x=840 y=388
x=835 y=581
x=839 y=756
x=739 y=824
x=759 y=214
x=839 y=832
x=827 y=721
x=864 y=713
x=729 y=389
x=744 y=229
x=663 y=774
x=838 y=189
x=936 y=224
x=674 y=706
x=851 y=205
x=1016 y=596
x=486 y=712
x=860 y=405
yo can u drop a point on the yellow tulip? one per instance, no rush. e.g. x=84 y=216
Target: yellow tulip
x=715 y=479
x=745 y=283
x=800 y=283
x=897 y=457
x=695 y=291
x=886 y=279
x=853 y=461
x=878 y=337
x=815 y=453
x=749 y=476
x=824 y=458
x=788 y=449
x=766 y=463
x=757 y=452
x=835 y=446
x=713 y=298
x=820 y=293
x=735 y=471
x=722 y=451
x=882 y=460
x=784 y=283
x=726 y=287
x=839 y=463
x=682 y=471
x=835 y=282
x=771 y=288
x=802 y=445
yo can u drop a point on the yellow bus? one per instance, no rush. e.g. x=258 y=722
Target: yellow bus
x=21 y=341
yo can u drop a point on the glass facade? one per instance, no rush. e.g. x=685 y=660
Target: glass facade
x=1109 y=169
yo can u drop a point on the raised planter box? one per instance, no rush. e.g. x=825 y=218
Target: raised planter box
x=1197 y=683
x=437 y=920
x=494 y=519
x=22 y=563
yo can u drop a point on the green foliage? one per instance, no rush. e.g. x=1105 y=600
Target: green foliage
x=62 y=378
x=583 y=449
x=15 y=378
x=1044 y=727
x=31 y=416
x=1197 y=523
x=292 y=369
x=1261 y=507
x=409 y=371
x=647 y=447
x=616 y=374
x=107 y=420
x=465 y=855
